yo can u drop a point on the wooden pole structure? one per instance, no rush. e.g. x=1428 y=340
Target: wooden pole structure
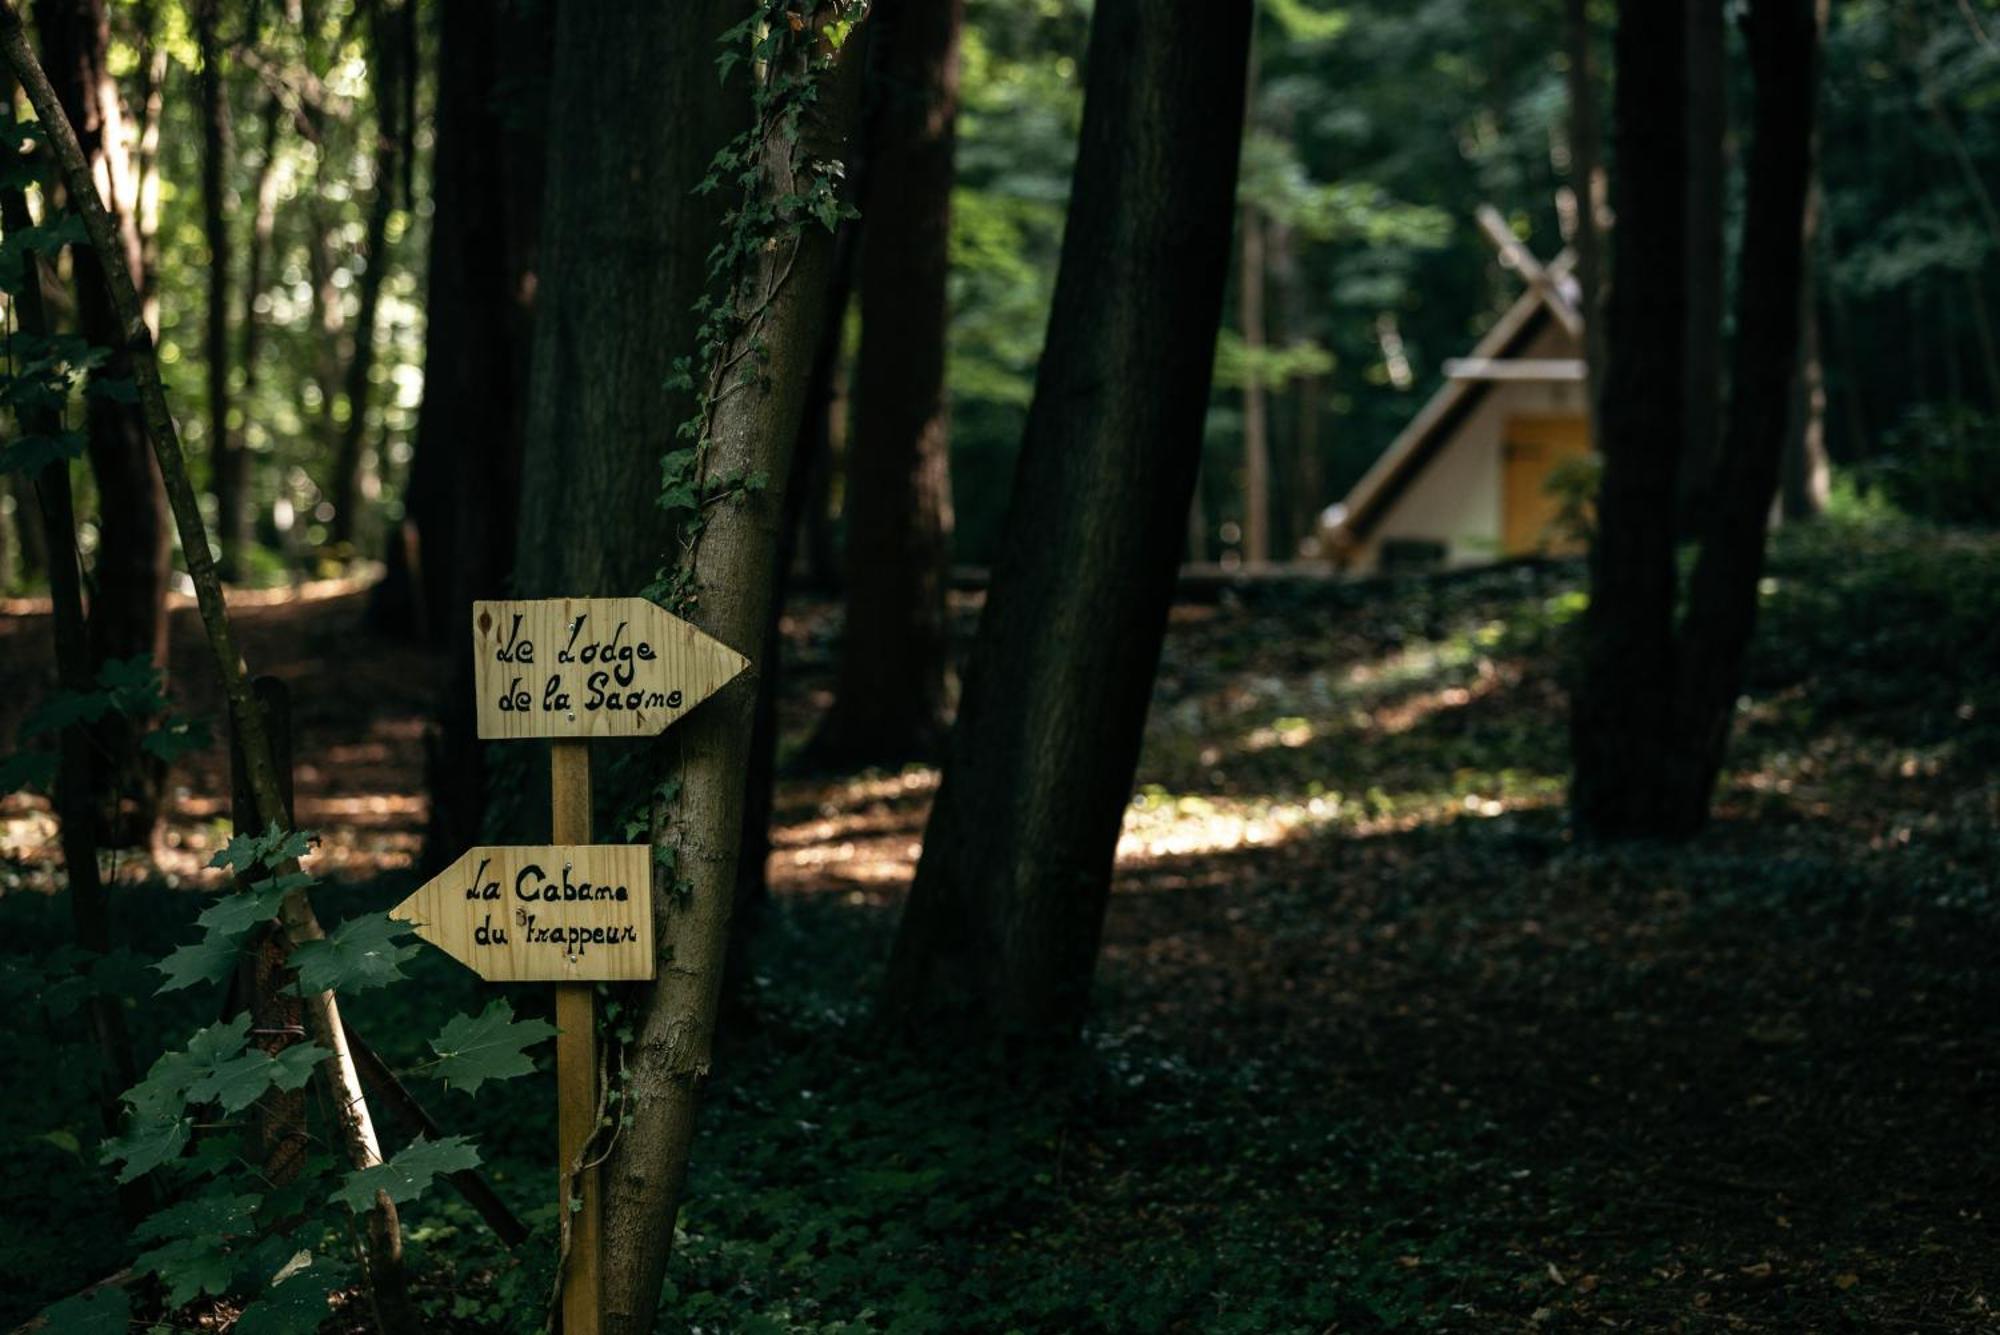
x=576 y=1065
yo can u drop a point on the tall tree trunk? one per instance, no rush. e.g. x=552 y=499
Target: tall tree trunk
x=228 y=462
x=1707 y=126
x=134 y=337
x=1002 y=926
x=811 y=450
x=1586 y=163
x=1621 y=705
x=128 y=610
x=90 y=902
x=893 y=696
x=465 y=482
x=388 y=47
x=1782 y=37
x=633 y=100
x=241 y=511
x=1256 y=402
x=728 y=569
x=1808 y=479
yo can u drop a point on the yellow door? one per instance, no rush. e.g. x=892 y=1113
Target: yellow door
x=1532 y=449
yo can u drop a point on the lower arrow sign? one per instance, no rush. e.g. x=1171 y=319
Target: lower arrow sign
x=572 y=913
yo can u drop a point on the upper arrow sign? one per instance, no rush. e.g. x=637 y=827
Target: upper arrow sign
x=552 y=913
x=590 y=667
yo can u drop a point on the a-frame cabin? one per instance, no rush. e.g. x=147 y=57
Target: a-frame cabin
x=1467 y=481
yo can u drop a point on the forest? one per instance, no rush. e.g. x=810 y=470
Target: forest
x=842 y=666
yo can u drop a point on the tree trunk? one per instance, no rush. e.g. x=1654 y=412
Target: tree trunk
x=134 y=338
x=1001 y=931
x=1783 y=41
x=225 y=446
x=240 y=509
x=810 y=451
x=128 y=612
x=1707 y=124
x=1620 y=708
x=892 y=702
x=1256 y=424
x=465 y=481
x=1586 y=167
x=727 y=567
x=1808 y=480
x=636 y=117
x=350 y=492
x=90 y=902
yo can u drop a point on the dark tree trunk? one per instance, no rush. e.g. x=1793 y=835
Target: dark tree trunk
x=128 y=613
x=1002 y=927
x=263 y=224
x=465 y=482
x=892 y=702
x=228 y=459
x=636 y=116
x=90 y=902
x=809 y=451
x=388 y=47
x=1707 y=127
x=1782 y=37
x=1808 y=479
x=1586 y=150
x=1622 y=703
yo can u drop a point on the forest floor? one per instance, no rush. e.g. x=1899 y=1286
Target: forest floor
x=1377 y=1045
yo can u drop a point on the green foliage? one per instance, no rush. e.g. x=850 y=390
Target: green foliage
x=1943 y=465
x=363 y=952
x=490 y=1046
x=408 y=1173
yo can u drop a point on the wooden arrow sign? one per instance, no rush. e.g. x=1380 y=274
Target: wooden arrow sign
x=590 y=667
x=572 y=913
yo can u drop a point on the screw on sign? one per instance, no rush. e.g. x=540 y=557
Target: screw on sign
x=569 y=912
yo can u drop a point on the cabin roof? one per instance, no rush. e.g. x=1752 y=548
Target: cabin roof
x=1438 y=421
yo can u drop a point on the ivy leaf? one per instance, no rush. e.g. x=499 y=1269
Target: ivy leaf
x=489 y=1046
x=106 y=1312
x=408 y=1174
x=64 y=709
x=218 y=1215
x=250 y=851
x=27 y=769
x=294 y=1306
x=175 y=738
x=359 y=954
x=31 y=454
x=208 y=960
x=235 y=914
x=189 y=1267
x=115 y=389
x=147 y=1145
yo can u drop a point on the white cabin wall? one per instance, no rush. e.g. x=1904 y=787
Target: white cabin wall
x=1456 y=498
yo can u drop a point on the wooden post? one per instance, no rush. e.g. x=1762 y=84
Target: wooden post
x=576 y=1062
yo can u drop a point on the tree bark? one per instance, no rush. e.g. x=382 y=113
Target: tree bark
x=1000 y=934
x=90 y=902
x=698 y=828
x=465 y=481
x=636 y=116
x=893 y=697
x=1586 y=162
x=1782 y=37
x=228 y=462
x=387 y=49
x=1708 y=123
x=128 y=610
x=355 y=1129
x=1621 y=707
x=1808 y=479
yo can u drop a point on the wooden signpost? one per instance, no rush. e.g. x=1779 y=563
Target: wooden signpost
x=570 y=912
